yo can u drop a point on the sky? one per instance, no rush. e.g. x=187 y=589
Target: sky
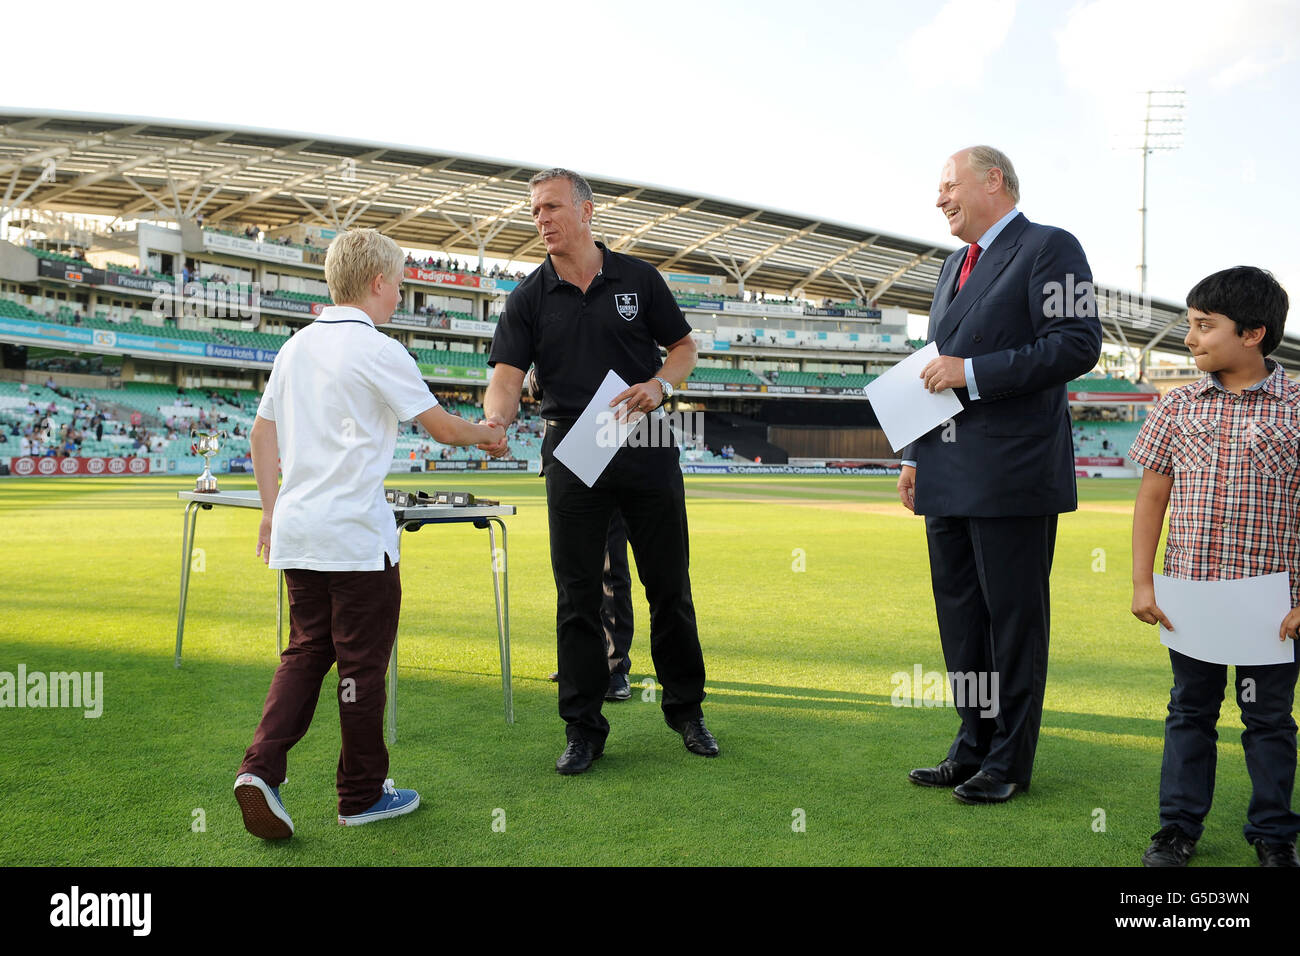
x=836 y=110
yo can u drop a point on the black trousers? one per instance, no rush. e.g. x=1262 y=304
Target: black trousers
x=616 y=615
x=1187 y=769
x=644 y=484
x=992 y=599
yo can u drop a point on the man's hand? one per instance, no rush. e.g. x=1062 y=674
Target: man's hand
x=1290 y=625
x=946 y=371
x=907 y=488
x=498 y=446
x=643 y=398
x=264 y=540
x=1146 y=611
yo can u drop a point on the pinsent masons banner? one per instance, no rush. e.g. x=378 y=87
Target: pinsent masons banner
x=50 y=467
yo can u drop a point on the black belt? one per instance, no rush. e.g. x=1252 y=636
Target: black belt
x=559 y=422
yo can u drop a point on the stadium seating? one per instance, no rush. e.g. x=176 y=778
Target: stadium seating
x=823 y=379
x=1104 y=383
x=60 y=257
x=1118 y=437
x=734 y=376
x=447 y=357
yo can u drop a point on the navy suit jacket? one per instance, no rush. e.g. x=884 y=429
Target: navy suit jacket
x=1027 y=319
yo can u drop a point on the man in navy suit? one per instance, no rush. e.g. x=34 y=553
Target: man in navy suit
x=1014 y=318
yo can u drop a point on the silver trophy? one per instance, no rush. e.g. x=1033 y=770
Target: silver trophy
x=206 y=444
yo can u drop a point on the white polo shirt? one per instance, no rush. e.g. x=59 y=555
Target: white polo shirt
x=336 y=393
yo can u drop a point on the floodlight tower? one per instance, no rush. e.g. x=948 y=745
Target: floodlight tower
x=1162 y=129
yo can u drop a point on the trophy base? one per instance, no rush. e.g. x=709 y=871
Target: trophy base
x=206 y=484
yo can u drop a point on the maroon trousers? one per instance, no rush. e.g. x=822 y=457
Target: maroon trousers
x=344 y=616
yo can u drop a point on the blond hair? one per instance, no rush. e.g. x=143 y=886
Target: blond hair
x=355 y=258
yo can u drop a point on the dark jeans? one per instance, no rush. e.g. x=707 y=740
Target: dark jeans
x=344 y=616
x=1187 y=770
x=645 y=485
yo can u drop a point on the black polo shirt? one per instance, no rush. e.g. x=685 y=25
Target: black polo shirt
x=575 y=338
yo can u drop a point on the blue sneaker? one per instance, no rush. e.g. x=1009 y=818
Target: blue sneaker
x=264 y=814
x=392 y=803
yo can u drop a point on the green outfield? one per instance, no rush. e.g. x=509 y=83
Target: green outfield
x=812 y=593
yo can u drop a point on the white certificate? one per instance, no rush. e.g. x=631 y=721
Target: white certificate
x=590 y=444
x=905 y=407
x=1227 y=622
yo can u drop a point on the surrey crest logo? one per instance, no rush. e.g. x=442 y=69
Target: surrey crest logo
x=626 y=304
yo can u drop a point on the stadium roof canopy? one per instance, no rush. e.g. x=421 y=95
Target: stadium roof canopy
x=132 y=167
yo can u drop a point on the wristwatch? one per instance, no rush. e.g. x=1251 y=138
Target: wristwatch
x=667 y=390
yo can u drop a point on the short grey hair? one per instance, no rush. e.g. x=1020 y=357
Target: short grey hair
x=984 y=158
x=581 y=188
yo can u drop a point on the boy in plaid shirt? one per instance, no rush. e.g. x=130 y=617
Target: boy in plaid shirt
x=1223 y=452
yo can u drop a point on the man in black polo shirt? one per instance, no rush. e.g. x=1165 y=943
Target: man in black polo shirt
x=585 y=311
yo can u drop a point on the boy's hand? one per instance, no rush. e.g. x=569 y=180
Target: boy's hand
x=264 y=540
x=494 y=441
x=1145 y=608
x=1290 y=625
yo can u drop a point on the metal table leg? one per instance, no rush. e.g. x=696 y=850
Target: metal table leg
x=188 y=522
x=501 y=591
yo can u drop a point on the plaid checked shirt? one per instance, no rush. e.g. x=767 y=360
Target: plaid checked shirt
x=1234 y=460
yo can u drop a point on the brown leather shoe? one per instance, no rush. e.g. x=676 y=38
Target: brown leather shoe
x=949 y=774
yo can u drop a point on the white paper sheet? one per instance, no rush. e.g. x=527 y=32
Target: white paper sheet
x=905 y=407
x=590 y=444
x=1227 y=622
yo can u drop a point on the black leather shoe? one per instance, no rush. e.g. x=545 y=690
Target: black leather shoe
x=1170 y=846
x=1276 y=854
x=696 y=736
x=948 y=774
x=982 y=788
x=619 y=688
x=578 y=756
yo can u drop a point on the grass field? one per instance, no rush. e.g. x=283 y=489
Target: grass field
x=799 y=662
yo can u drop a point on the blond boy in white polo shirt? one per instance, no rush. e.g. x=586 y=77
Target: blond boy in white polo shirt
x=330 y=412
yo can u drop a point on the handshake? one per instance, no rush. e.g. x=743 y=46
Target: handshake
x=494 y=441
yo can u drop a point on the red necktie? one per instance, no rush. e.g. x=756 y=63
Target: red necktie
x=972 y=257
